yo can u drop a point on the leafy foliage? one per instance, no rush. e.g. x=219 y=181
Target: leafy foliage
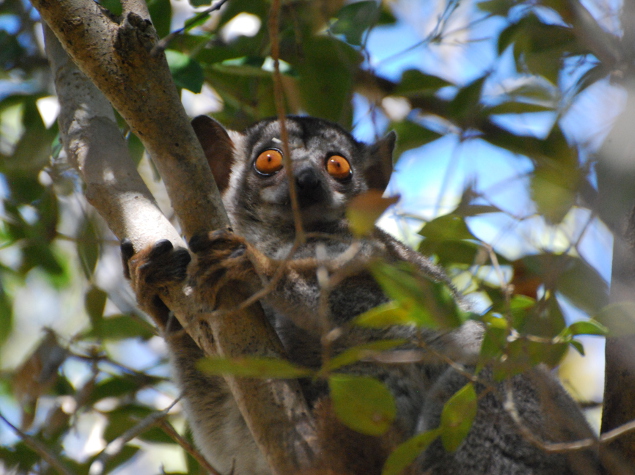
x=542 y=62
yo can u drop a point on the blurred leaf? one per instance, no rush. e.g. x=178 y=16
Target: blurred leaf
x=467 y=101
x=578 y=347
x=552 y=193
x=6 y=314
x=116 y=387
x=449 y=226
x=430 y=304
x=457 y=417
x=411 y=135
x=385 y=315
x=406 y=453
x=365 y=209
x=95 y=303
x=326 y=79
x=493 y=346
x=114 y=6
x=119 y=327
x=497 y=7
x=363 y=404
x=583 y=286
x=161 y=14
x=359 y=352
x=88 y=246
x=414 y=83
x=535 y=90
x=186 y=71
x=516 y=107
x=253 y=367
x=354 y=19
x=588 y=327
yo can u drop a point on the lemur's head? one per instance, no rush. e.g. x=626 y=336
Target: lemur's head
x=329 y=168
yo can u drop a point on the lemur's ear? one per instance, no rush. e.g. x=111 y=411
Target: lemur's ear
x=218 y=148
x=379 y=166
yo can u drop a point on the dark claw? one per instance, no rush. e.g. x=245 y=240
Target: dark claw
x=198 y=242
x=160 y=248
x=238 y=252
x=127 y=251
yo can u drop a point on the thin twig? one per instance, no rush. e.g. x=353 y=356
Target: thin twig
x=274 y=25
x=163 y=44
x=114 y=447
x=166 y=427
x=39 y=448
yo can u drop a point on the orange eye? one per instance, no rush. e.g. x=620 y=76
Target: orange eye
x=269 y=162
x=338 y=167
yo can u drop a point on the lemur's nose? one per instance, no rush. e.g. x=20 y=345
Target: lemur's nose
x=307 y=179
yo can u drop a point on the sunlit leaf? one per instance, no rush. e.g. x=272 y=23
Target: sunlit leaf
x=457 y=417
x=365 y=209
x=588 y=327
x=406 y=453
x=430 y=304
x=362 y=403
x=359 y=352
x=385 y=315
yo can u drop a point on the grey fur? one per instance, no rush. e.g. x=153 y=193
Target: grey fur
x=494 y=445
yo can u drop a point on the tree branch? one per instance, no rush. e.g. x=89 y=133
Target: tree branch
x=115 y=56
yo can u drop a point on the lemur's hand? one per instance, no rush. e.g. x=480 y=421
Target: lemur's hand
x=150 y=271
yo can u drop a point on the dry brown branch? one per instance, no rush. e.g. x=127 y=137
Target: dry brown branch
x=115 y=55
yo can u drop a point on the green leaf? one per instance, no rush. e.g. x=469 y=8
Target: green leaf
x=449 y=226
x=161 y=14
x=552 y=193
x=516 y=107
x=415 y=83
x=95 y=303
x=431 y=304
x=457 y=417
x=114 y=6
x=578 y=346
x=354 y=19
x=119 y=327
x=385 y=315
x=362 y=403
x=365 y=209
x=619 y=318
x=254 y=367
x=359 y=352
x=88 y=246
x=583 y=286
x=496 y=7
x=406 y=453
x=326 y=78
x=467 y=101
x=588 y=327
x=186 y=71
x=411 y=135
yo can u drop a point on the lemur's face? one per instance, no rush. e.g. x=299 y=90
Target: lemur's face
x=325 y=166
x=328 y=168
